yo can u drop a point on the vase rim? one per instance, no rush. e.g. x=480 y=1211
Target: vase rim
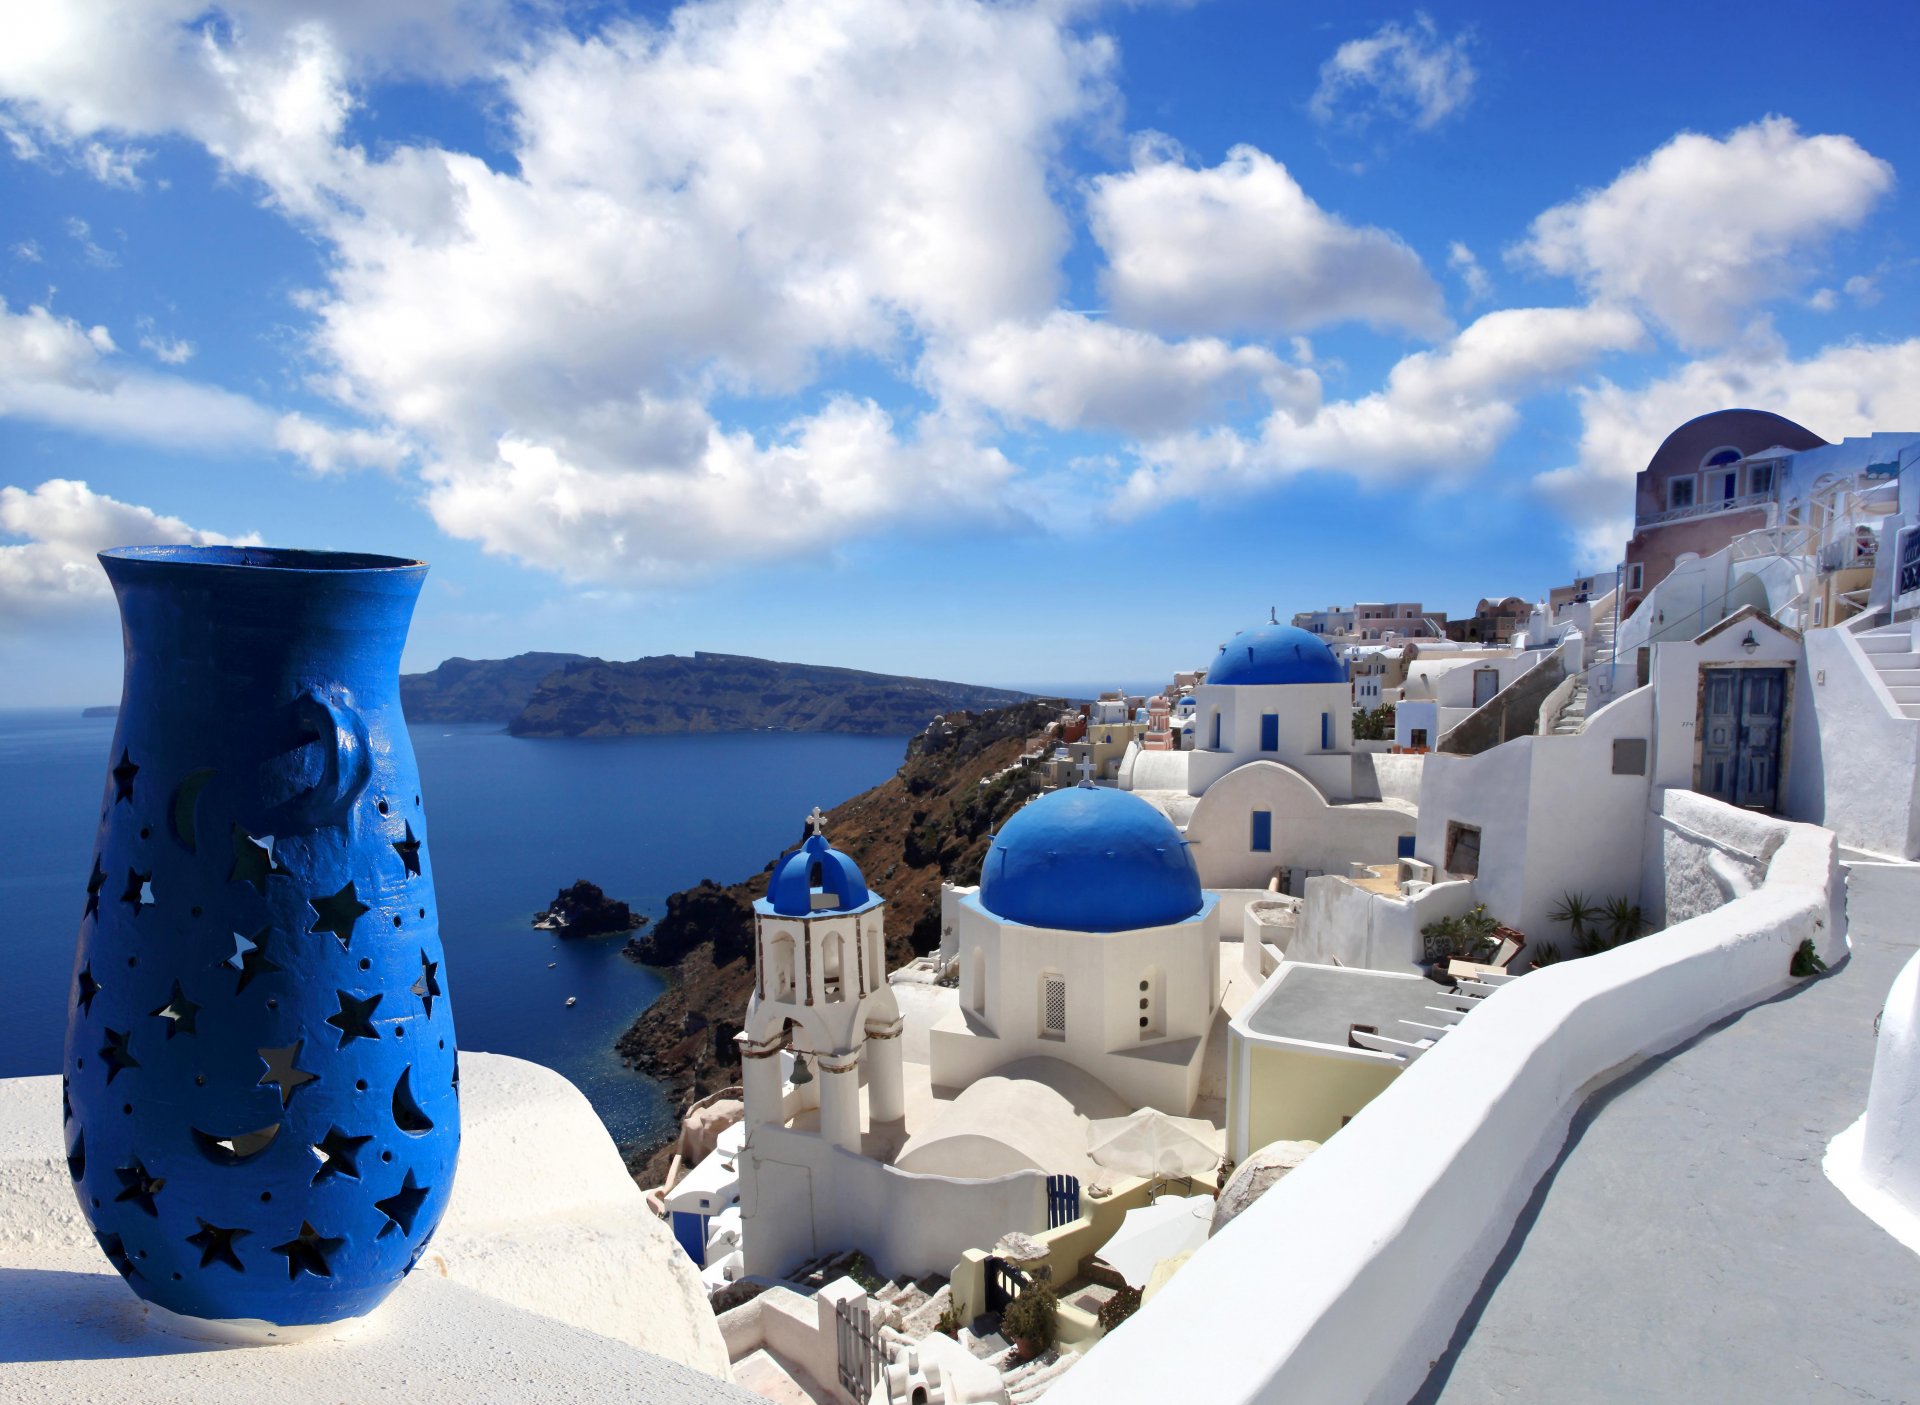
x=295 y=560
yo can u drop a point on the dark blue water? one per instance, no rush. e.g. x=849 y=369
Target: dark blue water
x=510 y=821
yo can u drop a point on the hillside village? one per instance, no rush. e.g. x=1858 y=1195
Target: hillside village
x=1225 y=943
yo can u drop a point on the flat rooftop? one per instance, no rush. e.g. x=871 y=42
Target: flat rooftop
x=1319 y=1003
x=1687 y=1244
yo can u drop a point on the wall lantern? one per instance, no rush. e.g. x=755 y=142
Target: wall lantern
x=1749 y=643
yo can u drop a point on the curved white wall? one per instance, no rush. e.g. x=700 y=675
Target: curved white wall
x=1344 y=1282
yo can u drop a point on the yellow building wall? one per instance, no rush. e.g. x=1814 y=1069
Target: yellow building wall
x=1296 y=1095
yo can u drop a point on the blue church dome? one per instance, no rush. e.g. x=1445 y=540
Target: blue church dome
x=816 y=865
x=1090 y=860
x=1276 y=653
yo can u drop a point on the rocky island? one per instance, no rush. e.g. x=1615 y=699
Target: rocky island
x=571 y=695
x=585 y=911
x=928 y=822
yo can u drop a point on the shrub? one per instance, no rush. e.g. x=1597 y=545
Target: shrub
x=1468 y=937
x=1806 y=961
x=1543 y=954
x=1029 y=1317
x=1119 y=1308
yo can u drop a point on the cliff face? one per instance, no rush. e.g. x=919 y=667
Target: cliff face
x=478 y=690
x=930 y=821
x=732 y=693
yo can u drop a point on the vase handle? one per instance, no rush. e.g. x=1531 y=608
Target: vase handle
x=345 y=760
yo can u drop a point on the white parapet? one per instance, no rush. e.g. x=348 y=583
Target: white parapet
x=548 y=1279
x=1876 y=1161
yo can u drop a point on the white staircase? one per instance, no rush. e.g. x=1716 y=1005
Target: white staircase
x=1573 y=716
x=1895 y=655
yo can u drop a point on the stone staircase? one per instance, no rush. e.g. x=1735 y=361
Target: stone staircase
x=1894 y=653
x=1573 y=717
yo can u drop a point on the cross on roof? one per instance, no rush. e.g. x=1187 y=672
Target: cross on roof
x=816 y=822
x=1086 y=769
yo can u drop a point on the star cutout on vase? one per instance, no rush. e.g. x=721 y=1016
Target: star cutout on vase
x=402 y=1207
x=282 y=1071
x=409 y=851
x=89 y=988
x=116 y=1251
x=216 y=1245
x=355 y=1018
x=139 y=890
x=123 y=775
x=95 y=882
x=337 y=913
x=253 y=859
x=428 y=986
x=339 y=1155
x=139 y=1187
x=116 y=1053
x=179 y=1013
x=77 y=1158
x=250 y=957
x=309 y=1252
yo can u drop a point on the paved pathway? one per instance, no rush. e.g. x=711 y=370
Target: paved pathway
x=1688 y=1247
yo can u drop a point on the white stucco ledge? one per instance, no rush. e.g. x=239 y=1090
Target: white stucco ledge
x=548 y=1280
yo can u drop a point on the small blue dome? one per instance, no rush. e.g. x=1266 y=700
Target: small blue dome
x=795 y=879
x=1090 y=860
x=1275 y=653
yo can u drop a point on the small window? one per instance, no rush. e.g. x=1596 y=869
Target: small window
x=1270 y=731
x=1053 y=1005
x=1216 y=731
x=1404 y=848
x=1760 y=478
x=1680 y=492
x=1721 y=456
x=1262 y=840
x=1463 y=849
x=1416 y=736
x=1326 y=731
x=1723 y=487
x=1630 y=756
x=1636 y=575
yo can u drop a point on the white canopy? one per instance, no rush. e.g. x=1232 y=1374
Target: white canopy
x=1149 y=1142
x=1172 y=1225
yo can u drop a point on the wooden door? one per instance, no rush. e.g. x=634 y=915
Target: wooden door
x=1740 y=717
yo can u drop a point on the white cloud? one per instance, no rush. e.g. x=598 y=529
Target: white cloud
x=82 y=234
x=1705 y=229
x=112 y=165
x=1823 y=300
x=1442 y=413
x=1070 y=372
x=1848 y=388
x=27 y=251
x=1462 y=261
x=1407 y=72
x=54 y=371
x=171 y=351
x=822 y=481
x=1862 y=289
x=65 y=524
x=329 y=449
x=1241 y=247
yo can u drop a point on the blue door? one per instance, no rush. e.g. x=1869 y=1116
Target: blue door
x=1741 y=710
x=691 y=1230
x=1262 y=832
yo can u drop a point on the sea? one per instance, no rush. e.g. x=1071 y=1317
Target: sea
x=510 y=821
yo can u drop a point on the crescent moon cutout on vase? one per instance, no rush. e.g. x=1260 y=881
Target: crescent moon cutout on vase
x=232 y=1151
x=186 y=797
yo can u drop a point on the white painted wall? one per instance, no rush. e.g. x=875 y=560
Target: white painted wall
x=1308 y=832
x=1553 y=817
x=1156 y=770
x=1855 y=764
x=1344 y=1282
x=802 y=1196
x=1299 y=707
x=1341 y=924
x=1103 y=971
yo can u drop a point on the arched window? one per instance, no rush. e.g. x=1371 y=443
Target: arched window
x=833 y=967
x=780 y=966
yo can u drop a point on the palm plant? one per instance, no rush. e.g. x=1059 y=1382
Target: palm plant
x=1624 y=923
x=1580 y=914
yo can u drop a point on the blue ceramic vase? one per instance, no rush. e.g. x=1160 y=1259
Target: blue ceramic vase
x=261 y=1083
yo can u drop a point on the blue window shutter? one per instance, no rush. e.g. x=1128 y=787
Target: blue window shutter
x=1262 y=831
x=1270 y=731
x=1405 y=850
x=1326 y=731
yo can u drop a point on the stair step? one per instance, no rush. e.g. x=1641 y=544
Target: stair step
x=1898 y=642
x=1905 y=694
x=1893 y=663
x=1900 y=677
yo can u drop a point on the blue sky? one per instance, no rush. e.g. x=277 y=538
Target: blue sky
x=1027 y=343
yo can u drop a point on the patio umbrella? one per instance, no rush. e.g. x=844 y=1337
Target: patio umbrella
x=1153 y=1143
x=1172 y=1225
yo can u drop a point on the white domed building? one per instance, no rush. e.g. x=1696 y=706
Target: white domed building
x=1273 y=791
x=1089 y=941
